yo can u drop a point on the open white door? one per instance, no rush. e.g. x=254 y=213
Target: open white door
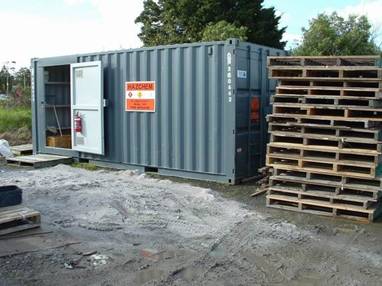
x=86 y=93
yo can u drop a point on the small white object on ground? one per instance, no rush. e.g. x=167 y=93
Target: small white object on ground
x=68 y=266
x=99 y=259
x=5 y=149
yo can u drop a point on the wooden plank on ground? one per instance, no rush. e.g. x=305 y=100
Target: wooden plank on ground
x=19 y=150
x=39 y=160
x=17 y=218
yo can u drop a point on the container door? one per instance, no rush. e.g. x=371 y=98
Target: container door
x=87 y=107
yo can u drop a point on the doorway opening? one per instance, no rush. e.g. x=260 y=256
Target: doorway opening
x=57 y=107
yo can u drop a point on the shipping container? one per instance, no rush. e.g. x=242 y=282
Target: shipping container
x=190 y=110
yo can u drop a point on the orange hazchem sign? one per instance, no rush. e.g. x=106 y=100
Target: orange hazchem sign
x=140 y=96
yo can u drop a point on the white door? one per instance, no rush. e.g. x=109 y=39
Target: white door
x=86 y=93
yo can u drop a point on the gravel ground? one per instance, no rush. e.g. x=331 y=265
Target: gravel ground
x=120 y=228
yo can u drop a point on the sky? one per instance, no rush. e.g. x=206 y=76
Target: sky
x=43 y=28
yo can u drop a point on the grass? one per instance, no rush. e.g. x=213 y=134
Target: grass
x=12 y=119
x=86 y=166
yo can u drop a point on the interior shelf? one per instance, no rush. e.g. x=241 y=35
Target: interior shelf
x=57 y=105
x=58 y=82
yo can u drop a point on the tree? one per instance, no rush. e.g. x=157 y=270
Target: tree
x=17 y=86
x=333 y=35
x=223 y=30
x=182 y=21
x=5 y=77
x=23 y=77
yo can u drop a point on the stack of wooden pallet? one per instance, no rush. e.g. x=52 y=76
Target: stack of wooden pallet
x=325 y=132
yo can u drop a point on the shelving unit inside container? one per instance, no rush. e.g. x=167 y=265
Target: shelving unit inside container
x=57 y=106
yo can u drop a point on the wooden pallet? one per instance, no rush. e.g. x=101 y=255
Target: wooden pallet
x=325 y=135
x=374 y=83
x=323 y=148
x=330 y=90
x=328 y=184
x=20 y=150
x=321 y=194
x=325 y=208
x=310 y=137
x=341 y=167
x=312 y=167
x=361 y=157
x=294 y=75
x=350 y=182
x=326 y=101
x=325 y=73
x=367 y=148
x=18 y=218
x=339 y=131
x=337 y=112
x=39 y=160
x=325 y=61
x=356 y=122
x=310 y=107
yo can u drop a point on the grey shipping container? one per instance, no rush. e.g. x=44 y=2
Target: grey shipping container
x=191 y=110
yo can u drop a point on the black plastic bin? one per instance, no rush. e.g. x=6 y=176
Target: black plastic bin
x=10 y=196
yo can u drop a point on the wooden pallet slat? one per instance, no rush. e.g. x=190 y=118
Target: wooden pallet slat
x=342 y=131
x=17 y=218
x=355 y=122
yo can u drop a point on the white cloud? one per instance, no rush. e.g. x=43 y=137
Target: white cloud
x=31 y=35
x=370 y=8
x=73 y=2
x=292 y=40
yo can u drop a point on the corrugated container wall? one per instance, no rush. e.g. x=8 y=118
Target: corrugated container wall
x=209 y=121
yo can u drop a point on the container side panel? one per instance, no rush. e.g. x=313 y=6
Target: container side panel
x=215 y=118
x=177 y=111
x=34 y=106
x=135 y=132
x=40 y=107
x=252 y=105
x=186 y=132
x=189 y=110
x=124 y=61
x=165 y=112
x=145 y=117
x=154 y=126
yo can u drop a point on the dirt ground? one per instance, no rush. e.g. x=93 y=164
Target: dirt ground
x=18 y=137
x=120 y=228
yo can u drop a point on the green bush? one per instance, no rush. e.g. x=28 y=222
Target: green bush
x=86 y=166
x=12 y=119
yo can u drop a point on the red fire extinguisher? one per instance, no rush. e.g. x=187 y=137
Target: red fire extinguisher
x=77 y=123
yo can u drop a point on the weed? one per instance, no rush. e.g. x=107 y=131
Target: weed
x=86 y=166
x=12 y=119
